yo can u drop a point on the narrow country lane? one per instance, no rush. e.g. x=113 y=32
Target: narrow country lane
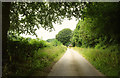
x=73 y=64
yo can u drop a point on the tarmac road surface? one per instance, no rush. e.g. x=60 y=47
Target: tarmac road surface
x=73 y=64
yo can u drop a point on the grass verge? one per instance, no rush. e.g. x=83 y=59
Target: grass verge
x=44 y=59
x=40 y=63
x=104 y=60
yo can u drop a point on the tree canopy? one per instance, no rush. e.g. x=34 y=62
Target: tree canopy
x=100 y=25
x=27 y=17
x=64 y=36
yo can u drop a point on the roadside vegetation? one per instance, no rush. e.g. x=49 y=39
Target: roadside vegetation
x=106 y=61
x=28 y=56
x=97 y=37
x=34 y=15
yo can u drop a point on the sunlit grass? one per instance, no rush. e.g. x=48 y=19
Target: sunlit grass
x=31 y=56
x=104 y=60
x=45 y=57
x=40 y=63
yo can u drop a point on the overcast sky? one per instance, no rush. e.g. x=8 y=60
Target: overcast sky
x=44 y=34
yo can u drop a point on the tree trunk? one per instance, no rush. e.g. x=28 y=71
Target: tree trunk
x=5 y=28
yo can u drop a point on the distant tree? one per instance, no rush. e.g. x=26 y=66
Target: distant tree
x=50 y=40
x=64 y=36
x=35 y=15
x=55 y=42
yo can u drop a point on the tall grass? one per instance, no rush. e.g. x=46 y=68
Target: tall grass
x=45 y=57
x=105 y=60
x=27 y=55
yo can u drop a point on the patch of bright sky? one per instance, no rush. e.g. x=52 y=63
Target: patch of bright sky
x=44 y=34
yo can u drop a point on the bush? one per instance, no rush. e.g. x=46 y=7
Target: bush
x=27 y=55
x=56 y=43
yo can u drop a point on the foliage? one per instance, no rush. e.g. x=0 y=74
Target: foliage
x=82 y=36
x=27 y=17
x=38 y=43
x=27 y=55
x=105 y=18
x=99 y=29
x=23 y=47
x=99 y=26
x=56 y=43
x=106 y=61
x=44 y=57
x=50 y=40
x=64 y=36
